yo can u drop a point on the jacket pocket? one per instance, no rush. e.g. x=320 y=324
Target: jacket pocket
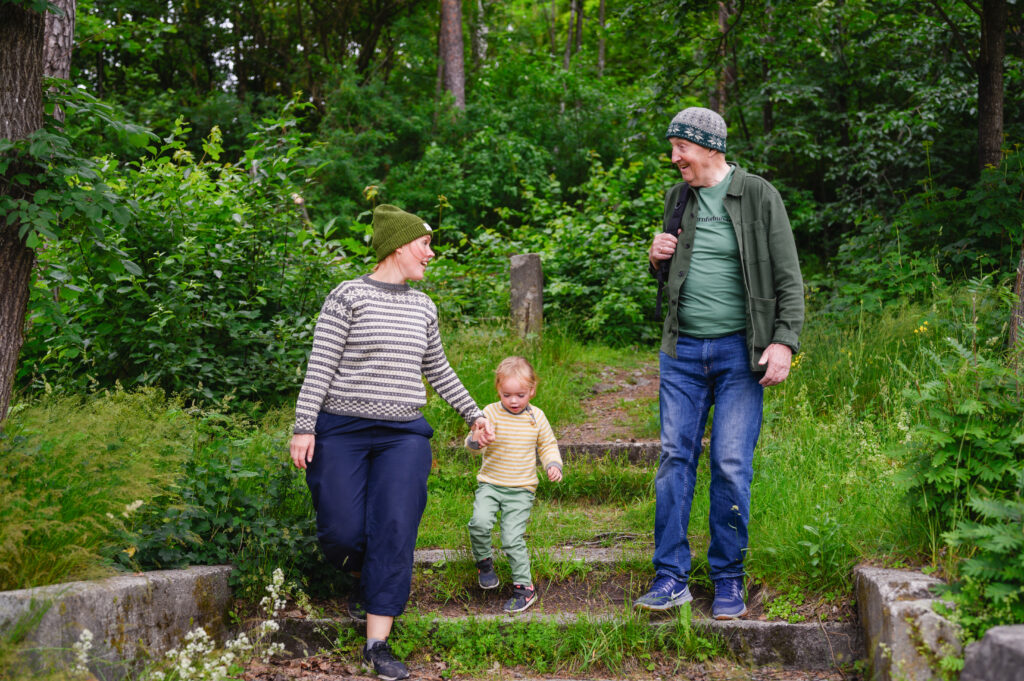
x=762 y=313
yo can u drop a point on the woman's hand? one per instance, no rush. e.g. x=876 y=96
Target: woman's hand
x=483 y=431
x=302 y=449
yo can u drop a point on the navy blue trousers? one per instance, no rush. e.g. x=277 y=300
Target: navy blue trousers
x=368 y=480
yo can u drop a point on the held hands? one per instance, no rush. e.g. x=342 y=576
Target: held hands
x=302 y=449
x=662 y=248
x=482 y=431
x=778 y=357
x=554 y=474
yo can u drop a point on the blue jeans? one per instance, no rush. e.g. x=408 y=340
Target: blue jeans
x=707 y=371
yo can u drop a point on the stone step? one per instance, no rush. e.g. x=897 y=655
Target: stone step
x=805 y=646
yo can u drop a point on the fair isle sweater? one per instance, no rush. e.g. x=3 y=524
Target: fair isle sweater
x=511 y=460
x=372 y=344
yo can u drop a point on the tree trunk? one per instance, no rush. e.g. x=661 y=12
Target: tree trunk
x=990 y=82
x=727 y=75
x=452 y=51
x=578 y=42
x=568 y=40
x=60 y=36
x=600 y=41
x=479 y=41
x=22 y=34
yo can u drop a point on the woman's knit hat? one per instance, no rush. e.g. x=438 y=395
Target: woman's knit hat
x=393 y=228
x=701 y=126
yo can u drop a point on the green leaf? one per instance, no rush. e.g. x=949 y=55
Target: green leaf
x=131 y=267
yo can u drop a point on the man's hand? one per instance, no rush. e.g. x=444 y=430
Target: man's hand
x=662 y=248
x=483 y=431
x=302 y=449
x=777 y=358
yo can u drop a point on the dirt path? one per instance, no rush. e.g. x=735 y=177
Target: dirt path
x=608 y=414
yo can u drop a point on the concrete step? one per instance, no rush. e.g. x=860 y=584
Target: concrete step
x=806 y=646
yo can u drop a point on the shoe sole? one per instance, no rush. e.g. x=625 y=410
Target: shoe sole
x=723 y=616
x=525 y=606
x=488 y=588
x=368 y=668
x=667 y=606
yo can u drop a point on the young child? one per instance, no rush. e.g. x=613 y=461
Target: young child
x=508 y=478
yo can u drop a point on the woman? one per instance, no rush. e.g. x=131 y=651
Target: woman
x=359 y=433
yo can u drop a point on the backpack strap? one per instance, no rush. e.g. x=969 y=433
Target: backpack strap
x=671 y=227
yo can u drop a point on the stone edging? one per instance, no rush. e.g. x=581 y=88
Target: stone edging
x=131 y=617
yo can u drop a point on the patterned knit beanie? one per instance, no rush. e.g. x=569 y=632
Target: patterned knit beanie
x=700 y=126
x=393 y=227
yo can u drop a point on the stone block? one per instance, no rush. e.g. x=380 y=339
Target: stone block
x=903 y=635
x=131 y=617
x=998 y=656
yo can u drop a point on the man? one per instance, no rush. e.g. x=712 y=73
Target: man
x=735 y=310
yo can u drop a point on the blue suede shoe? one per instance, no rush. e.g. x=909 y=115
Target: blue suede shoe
x=666 y=592
x=728 y=603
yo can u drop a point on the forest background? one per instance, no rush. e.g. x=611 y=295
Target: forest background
x=176 y=204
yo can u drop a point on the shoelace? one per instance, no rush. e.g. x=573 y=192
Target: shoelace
x=733 y=589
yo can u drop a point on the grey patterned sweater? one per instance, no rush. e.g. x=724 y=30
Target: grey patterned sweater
x=372 y=344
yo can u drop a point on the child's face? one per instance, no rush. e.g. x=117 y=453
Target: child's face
x=515 y=394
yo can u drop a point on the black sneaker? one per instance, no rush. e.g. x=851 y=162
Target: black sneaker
x=522 y=598
x=384 y=663
x=487 y=578
x=356 y=607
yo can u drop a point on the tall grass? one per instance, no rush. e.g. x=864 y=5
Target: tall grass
x=71 y=468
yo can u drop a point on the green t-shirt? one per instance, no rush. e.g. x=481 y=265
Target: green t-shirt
x=713 y=301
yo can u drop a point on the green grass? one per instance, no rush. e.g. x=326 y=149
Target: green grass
x=71 y=467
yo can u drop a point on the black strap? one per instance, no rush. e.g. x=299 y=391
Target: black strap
x=671 y=227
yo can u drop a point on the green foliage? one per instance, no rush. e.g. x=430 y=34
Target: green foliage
x=73 y=470
x=989 y=590
x=938 y=234
x=209 y=290
x=970 y=439
x=629 y=643
x=237 y=500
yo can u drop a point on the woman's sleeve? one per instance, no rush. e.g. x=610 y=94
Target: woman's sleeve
x=442 y=377
x=329 y=338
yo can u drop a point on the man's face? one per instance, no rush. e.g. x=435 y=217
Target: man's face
x=694 y=162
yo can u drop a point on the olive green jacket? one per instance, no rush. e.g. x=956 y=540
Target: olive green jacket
x=771 y=271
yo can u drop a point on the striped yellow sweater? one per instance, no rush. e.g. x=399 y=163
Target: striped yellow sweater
x=519 y=439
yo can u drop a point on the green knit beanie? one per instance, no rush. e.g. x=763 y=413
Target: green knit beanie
x=393 y=227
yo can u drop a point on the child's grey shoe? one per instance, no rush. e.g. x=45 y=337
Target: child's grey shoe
x=522 y=598
x=487 y=578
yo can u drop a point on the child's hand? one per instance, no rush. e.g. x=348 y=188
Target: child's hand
x=483 y=431
x=554 y=474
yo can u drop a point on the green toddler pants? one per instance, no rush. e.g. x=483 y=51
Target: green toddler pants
x=514 y=503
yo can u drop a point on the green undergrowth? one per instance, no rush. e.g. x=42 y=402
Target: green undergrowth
x=628 y=644
x=73 y=470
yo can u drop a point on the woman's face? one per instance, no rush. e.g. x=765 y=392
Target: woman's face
x=414 y=257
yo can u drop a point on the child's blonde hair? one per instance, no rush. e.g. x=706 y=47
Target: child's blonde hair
x=517 y=367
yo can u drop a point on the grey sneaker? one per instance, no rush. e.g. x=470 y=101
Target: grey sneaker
x=487 y=578
x=522 y=598
x=666 y=592
x=384 y=663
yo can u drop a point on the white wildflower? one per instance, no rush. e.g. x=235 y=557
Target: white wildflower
x=81 y=649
